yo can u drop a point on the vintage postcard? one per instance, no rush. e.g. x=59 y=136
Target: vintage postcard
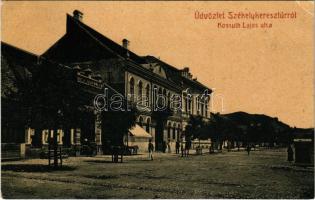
x=157 y=99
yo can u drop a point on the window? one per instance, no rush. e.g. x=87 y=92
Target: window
x=186 y=103
x=178 y=131
x=169 y=130
x=154 y=95
x=132 y=88
x=189 y=105
x=159 y=102
x=147 y=129
x=198 y=105
x=174 y=131
x=147 y=93
x=202 y=108
x=169 y=100
x=206 y=114
x=140 y=91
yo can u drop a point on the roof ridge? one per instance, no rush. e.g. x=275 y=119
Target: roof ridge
x=18 y=48
x=91 y=31
x=101 y=43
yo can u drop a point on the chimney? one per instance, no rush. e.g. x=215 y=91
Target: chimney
x=186 y=69
x=125 y=43
x=78 y=15
x=185 y=72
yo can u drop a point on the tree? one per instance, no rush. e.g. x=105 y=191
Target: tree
x=53 y=99
x=15 y=81
x=195 y=128
x=117 y=124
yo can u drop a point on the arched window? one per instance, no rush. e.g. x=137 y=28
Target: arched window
x=202 y=108
x=159 y=102
x=185 y=102
x=174 y=131
x=206 y=110
x=169 y=130
x=189 y=105
x=140 y=121
x=160 y=91
x=168 y=99
x=148 y=125
x=164 y=97
x=198 y=105
x=132 y=88
x=178 y=131
x=140 y=91
x=147 y=93
x=155 y=90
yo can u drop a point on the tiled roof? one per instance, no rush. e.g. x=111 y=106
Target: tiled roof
x=106 y=42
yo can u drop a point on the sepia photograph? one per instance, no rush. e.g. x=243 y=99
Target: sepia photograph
x=157 y=99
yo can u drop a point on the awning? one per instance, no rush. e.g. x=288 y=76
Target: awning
x=138 y=131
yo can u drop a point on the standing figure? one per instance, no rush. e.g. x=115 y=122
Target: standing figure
x=164 y=146
x=187 y=147
x=248 y=149
x=182 y=148
x=150 y=149
x=177 y=146
x=169 y=146
x=290 y=153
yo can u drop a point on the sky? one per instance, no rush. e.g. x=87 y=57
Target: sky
x=259 y=70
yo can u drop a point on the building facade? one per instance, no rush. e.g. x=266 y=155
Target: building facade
x=150 y=83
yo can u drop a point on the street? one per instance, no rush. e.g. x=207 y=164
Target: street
x=262 y=174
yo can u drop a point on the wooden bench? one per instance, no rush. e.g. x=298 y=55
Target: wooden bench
x=117 y=154
x=51 y=156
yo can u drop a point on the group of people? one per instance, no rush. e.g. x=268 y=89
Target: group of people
x=184 y=147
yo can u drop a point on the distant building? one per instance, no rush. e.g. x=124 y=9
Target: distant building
x=131 y=75
x=303 y=140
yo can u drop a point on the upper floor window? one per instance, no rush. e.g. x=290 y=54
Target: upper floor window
x=140 y=91
x=147 y=93
x=169 y=130
x=169 y=100
x=132 y=88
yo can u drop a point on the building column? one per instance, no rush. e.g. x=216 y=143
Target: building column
x=98 y=133
x=60 y=135
x=28 y=133
x=72 y=136
x=77 y=140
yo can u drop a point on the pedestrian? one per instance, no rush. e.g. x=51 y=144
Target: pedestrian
x=150 y=149
x=248 y=149
x=169 y=146
x=182 y=148
x=164 y=146
x=187 y=147
x=290 y=153
x=177 y=147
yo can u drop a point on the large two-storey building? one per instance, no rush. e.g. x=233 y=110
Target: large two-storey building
x=146 y=80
